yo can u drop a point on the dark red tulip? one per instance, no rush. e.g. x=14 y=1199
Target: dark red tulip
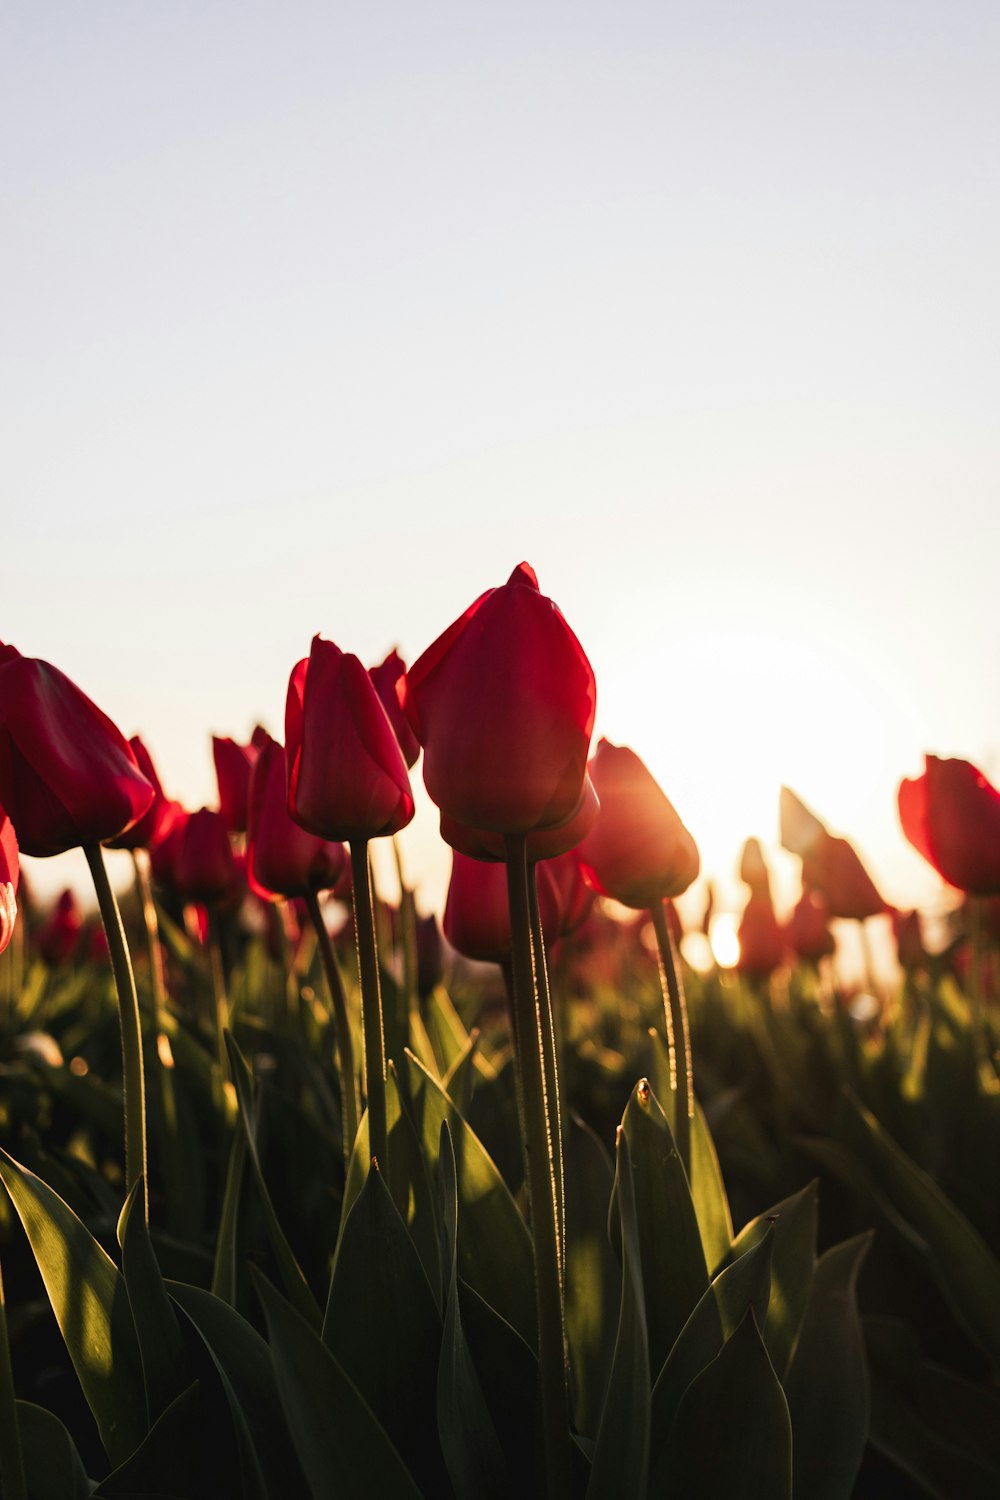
x=386 y=677
x=67 y=775
x=203 y=867
x=156 y=822
x=10 y=871
x=282 y=858
x=477 y=913
x=347 y=779
x=834 y=869
x=762 y=942
x=544 y=844
x=576 y=897
x=233 y=765
x=951 y=815
x=162 y=853
x=808 y=931
x=56 y=939
x=638 y=850
x=503 y=704
x=430 y=964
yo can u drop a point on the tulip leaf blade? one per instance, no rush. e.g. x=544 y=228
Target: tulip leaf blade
x=90 y=1302
x=708 y=1190
x=161 y=1346
x=792 y=1262
x=53 y=1468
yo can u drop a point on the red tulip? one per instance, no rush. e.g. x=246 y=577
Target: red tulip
x=203 y=866
x=951 y=815
x=503 y=704
x=233 y=765
x=386 y=677
x=57 y=938
x=801 y=830
x=830 y=865
x=154 y=824
x=544 y=844
x=638 y=850
x=909 y=937
x=808 y=930
x=346 y=774
x=477 y=913
x=282 y=858
x=67 y=775
x=762 y=942
x=576 y=897
x=753 y=867
x=10 y=870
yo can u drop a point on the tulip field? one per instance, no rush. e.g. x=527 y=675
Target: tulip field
x=309 y=1194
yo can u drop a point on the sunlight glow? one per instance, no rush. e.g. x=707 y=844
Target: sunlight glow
x=724 y=941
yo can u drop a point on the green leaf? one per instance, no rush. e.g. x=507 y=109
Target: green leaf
x=242 y=1364
x=383 y=1327
x=291 y=1272
x=445 y=1029
x=342 y=1447
x=460 y=1076
x=708 y=1191
x=674 y=1274
x=621 y=1452
x=744 y=1285
x=494 y=1248
x=225 y=1277
x=184 y=1455
x=731 y=1436
x=52 y=1466
x=593 y=1273
x=161 y=1346
x=827 y=1383
x=966 y=1269
x=508 y=1374
x=792 y=1264
x=932 y=1424
x=91 y=1306
x=468 y=1438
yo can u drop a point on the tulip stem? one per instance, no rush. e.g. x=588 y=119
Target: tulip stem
x=162 y=1079
x=350 y=1104
x=541 y=1174
x=678 y=1036
x=133 y=1080
x=371 y=1003
x=551 y=1060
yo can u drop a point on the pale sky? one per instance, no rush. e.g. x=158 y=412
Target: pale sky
x=320 y=317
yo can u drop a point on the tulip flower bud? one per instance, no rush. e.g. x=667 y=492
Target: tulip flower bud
x=157 y=821
x=808 y=930
x=387 y=677
x=282 y=858
x=951 y=815
x=477 y=913
x=761 y=940
x=204 y=867
x=830 y=866
x=67 y=775
x=347 y=778
x=638 y=850
x=503 y=704
x=233 y=765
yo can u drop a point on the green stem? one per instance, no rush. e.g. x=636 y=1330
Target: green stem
x=161 y=1077
x=220 y=997
x=551 y=1055
x=371 y=1004
x=678 y=1037
x=350 y=1103
x=133 y=1080
x=12 y=1481
x=540 y=1176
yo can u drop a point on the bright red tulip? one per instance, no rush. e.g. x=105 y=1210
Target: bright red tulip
x=233 y=765
x=951 y=815
x=155 y=823
x=347 y=779
x=282 y=858
x=387 y=677
x=10 y=871
x=477 y=913
x=203 y=867
x=808 y=931
x=544 y=844
x=503 y=704
x=762 y=942
x=67 y=775
x=638 y=850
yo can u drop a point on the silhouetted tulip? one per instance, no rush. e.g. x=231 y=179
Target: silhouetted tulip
x=67 y=775
x=347 y=778
x=282 y=858
x=156 y=822
x=503 y=704
x=951 y=815
x=834 y=869
x=638 y=850
x=762 y=943
x=801 y=830
x=808 y=931
x=10 y=871
x=203 y=867
x=753 y=867
x=386 y=677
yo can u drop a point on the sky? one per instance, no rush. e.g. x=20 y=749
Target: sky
x=322 y=317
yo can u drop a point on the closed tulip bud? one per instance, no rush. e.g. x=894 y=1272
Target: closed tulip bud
x=387 y=677
x=477 y=913
x=951 y=815
x=282 y=858
x=834 y=869
x=57 y=938
x=159 y=818
x=544 y=844
x=638 y=850
x=576 y=897
x=233 y=765
x=67 y=775
x=204 y=868
x=10 y=871
x=503 y=704
x=347 y=779
x=753 y=867
x=808 y=930
x=762 y=942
